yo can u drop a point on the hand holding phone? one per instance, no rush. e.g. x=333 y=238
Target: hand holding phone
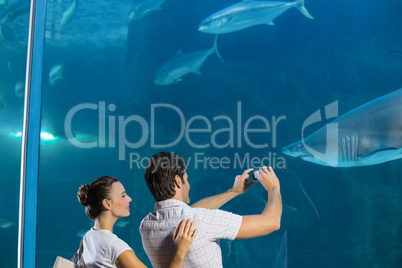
x=253 y=172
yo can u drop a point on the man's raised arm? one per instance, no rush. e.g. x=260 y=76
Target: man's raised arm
x=270 y=219
x=241 y=184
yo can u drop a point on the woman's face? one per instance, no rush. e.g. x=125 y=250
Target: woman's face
x=120 y=203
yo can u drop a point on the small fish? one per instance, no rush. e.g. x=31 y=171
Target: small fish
x=182 y=64
x=19 y=89
x=4 y=223
x=55 y=74
x=121 y=223
x=246 y=14
x=81 y=232
x=69 y=14
x=142 y=8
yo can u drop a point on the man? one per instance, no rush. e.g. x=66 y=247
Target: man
x=167 y=180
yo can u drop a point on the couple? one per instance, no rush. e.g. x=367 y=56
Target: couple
x=169 y=232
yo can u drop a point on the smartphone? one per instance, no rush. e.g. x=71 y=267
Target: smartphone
x=255 y=171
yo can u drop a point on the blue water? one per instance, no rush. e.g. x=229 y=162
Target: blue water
x=333 y=217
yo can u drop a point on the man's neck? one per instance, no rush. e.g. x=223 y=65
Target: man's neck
x=178 y=196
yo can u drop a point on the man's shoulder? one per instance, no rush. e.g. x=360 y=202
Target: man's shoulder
x=150 y=215
x=165 y=217
x=148 y=218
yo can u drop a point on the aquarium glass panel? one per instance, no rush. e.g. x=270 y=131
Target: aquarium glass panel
x=14 y=22
x=310 y=88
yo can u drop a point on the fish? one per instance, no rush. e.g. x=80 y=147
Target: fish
x=246 y=14
x=69 y=14
x=121 y=223
x=55 y=74
x=81 y=232
x=4 y=223
x=182 y=64
x=142 y=8
x=19 y=89
x=367 y=135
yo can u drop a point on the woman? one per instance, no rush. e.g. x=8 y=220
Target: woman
x=105 y=201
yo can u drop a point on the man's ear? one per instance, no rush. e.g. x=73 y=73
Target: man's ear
x=106 y=204
x=177 y=181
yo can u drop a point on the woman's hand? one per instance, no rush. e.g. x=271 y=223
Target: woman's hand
x=184 y=235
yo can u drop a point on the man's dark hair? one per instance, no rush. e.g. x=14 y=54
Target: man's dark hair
x=160 y=174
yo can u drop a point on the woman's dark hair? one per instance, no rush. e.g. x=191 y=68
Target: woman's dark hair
x=160 y=174
x=91 y=196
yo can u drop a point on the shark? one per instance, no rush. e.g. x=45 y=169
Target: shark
x=246 y=14
x=182 y=64
x=367 y=135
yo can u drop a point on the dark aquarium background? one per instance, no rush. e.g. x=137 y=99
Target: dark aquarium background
x=102 y=114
